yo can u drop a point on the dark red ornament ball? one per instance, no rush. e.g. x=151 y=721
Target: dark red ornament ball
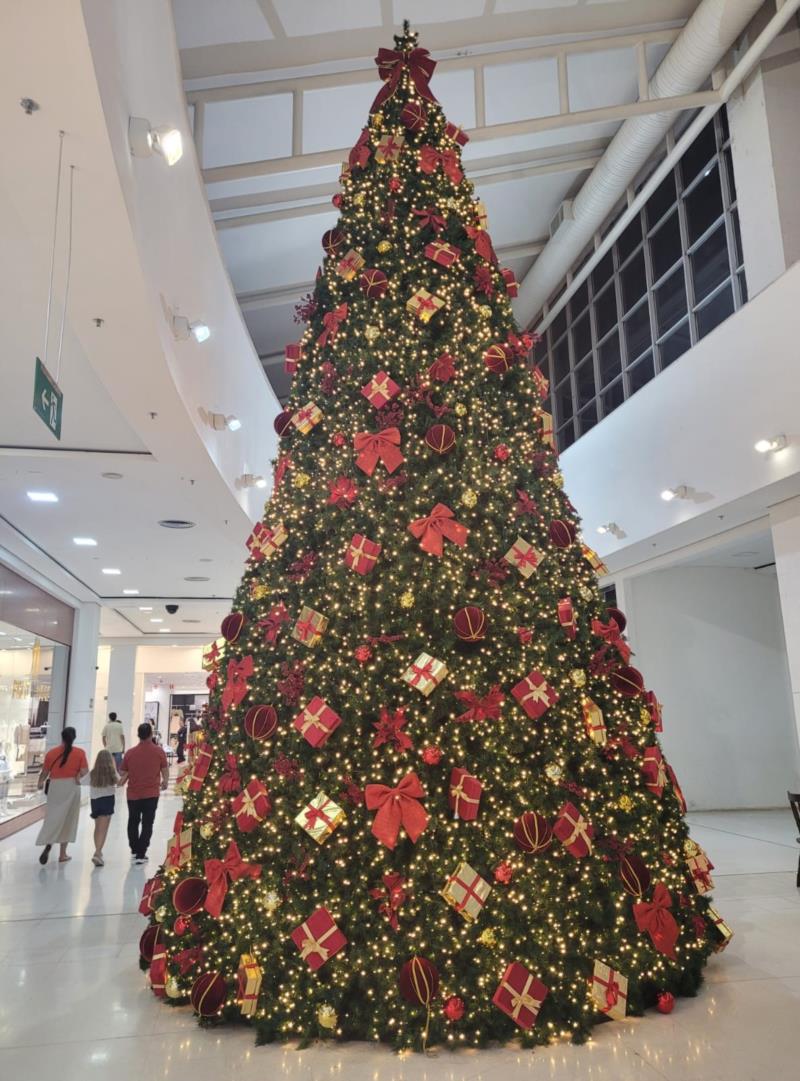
x=333 y=241
x=432 y=756
x=665 y=1003
x=283 y=422
x=562 y=533
x=532 y=832
x=628 y=681
x=635 y=875
x=374 y=282
x=469 y=623
x=414 y=115
x=233 y=625
x=441 y=438
x=208 y=993
x=337 y=200
x=189 y=895
x=260 y=722
x=497 y=359
x=419 y=981
x=151 y=938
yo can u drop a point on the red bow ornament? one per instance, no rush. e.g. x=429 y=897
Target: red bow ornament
x=359 y=155
x=391 y=895
x=331 y=321
x=276 y=617
x=373 y=447
x=443 y=368
x=392 y=63
x=430 y=216
x=430 y=159
x=397 y=807
x=236 y=687
x=185 y=959
x=481 y=709
x=230 y=782
x=431 y=531
x=612 y=636
x=655 y=918
x=483 y=243
x=218 y=872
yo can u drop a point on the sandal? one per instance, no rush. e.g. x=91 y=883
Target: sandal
x=64 y=859
x=45 y=854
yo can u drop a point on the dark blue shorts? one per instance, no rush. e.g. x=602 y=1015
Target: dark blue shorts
x=103 y=806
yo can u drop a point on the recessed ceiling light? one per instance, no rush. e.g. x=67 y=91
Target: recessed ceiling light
x=205 y=559
x=778 y=442
x=2 y=634
x=681 y=492
x=43 y=497
x=197 y=578
x=85 y=542
x=111 y=570
x=146 y=608
x=176 y=523
x=112 y=476
x=156 y=619
x=131 y=592
x=33 y=609
x=164 y=630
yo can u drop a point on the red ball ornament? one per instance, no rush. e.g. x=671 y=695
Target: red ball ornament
x=469 y=623
x=525 y=635
x=333 y=241
x=635 y=875
x=395 y=184
x=532 y=832
x=232 y=626
x=337 y=200
x=189 y=895
x=151 y=938
x=283 y=422
x=208 y=993
x=362 y=654
x=432 y=756
x=338 y=439
x=503 y=873
x=260 y=722
x=181 y=925
x=618 y=616
x=665 y=1003
x=414 y=116
x=628 y=681
x=419 y=981
x=441 y=438
x=374 y=283
x=501 y=452
x=453 y=1008
x=562 y=533
x=497 y=359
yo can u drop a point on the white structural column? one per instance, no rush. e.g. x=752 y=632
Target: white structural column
x=83 y=674
x=121 y=685
x=785 y=525
x=763 y=118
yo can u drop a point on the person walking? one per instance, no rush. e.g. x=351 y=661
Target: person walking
x=103 y=781
x=180 y=741
x=114 y=739
x=145 y=770
x=62 y=770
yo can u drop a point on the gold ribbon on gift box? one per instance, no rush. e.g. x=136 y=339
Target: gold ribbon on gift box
x=311 y=945
x=522 y=999
x=579 y=826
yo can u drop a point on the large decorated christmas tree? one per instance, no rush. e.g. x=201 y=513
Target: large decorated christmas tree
x=429 y=803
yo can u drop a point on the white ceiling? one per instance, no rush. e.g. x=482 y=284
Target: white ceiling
x=270 y=217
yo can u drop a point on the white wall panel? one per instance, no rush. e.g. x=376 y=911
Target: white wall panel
x=247 y=129
x=521 y=91
x=602 y=78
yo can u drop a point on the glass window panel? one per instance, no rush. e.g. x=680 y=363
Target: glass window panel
x=661 y=200
x=612 y=397
x=605 y=311
x=699 y=153
x=587 y=418
x=670 y=301
x=566 y=437
x=563 y=402
x=675 y=345
x=710 y=265
x=641 y=373
x=579 y=300
x=715 y=311
x=665 y=245
x=559 y=324
x=634 y=282
x=609 y=361
x=742 y=285
x=603 y=272
x=584 y=382
x=723 y=119
x=730 y=174
x=581 y=337
x=630 y=238
x=704 y=204
x=560 y=360
x=637 y=331
x=737 y=238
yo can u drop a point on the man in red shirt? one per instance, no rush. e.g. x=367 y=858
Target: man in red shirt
x=146 y=771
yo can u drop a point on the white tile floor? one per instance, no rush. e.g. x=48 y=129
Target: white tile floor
x=73 y=1003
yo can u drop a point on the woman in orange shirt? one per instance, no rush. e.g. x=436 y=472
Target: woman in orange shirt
x=62 y=771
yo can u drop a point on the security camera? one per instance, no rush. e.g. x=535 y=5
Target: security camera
x=172 y=608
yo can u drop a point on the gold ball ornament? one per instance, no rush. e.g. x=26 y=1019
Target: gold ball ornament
x=585 y=592
x=469 y=498
x=359 y=198
x=644 y=715
x=326 y=1015
x=384 y=246
x=452 y=203
x=558 y=478
x=372 y=333
x=578 y=677
x=272 y=901
x=258 y=591
x=460 y=409
x=485 y=311
x=199 y=736
x=206 y=831
x=488 y=938
x=690 y=847
x=377 y=120
x=300 y=480
x=407 y=599
x=625 y=804
x=172 y=987
x=554 y=772
x=161 y=913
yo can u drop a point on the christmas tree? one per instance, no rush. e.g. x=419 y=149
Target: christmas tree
x=429 y=802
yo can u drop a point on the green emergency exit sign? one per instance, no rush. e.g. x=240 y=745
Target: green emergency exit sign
x=48 y=401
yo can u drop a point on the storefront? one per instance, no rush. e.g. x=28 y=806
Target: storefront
x=35 y=639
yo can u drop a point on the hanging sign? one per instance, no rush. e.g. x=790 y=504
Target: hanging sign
x=48 y=401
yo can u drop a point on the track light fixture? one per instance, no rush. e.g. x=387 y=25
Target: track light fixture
x=252 y=480
x=681 y=492
x=146 y=140
x=765 y=446
x=183 y=329
x=613 y=529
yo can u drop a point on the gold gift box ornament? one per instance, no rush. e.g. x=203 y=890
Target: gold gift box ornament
x=466 y=891
x=425 y=674
x=320 y=817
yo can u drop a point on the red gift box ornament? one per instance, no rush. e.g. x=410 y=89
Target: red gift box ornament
x=265 y=540
x=512 y=285
x=520 y=995
x=292 y=355
x=566 y=617
x=236 y=687
x=464 y=796
x=534 y=694
x=380 y=390
x=374 y=447
x=158 y=972
x=149 y=902
x=318 y=938
x=356 y=159
x=440 y=524
x=654 y=770
x=202 y=761
x=441 y=253
x=655 y=918
x=457 y=134
x=317 y=721
x=574 y=831
x=653 y=707
x=251 y=806
x=420 y=66
x=396 y=807
x=219 y=872
x=389 y=148
x=331 y=322
x=361 y=554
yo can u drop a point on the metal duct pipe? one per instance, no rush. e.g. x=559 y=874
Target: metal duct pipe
x=704 y=40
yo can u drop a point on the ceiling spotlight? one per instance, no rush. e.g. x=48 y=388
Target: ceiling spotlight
x=183 y=329
x=43 y=497
x=111 y=570
x=252 y=480
x=233 y=423
x=613 y=529
x=778 y=442
x=164 y=630
x=85 y=542
x=146 y=608
x=219 y=422
x=602 y=529
x=681 y=492
x=146 y=140
x=157 y=620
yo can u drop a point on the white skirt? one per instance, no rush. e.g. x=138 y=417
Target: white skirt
x=60 y=824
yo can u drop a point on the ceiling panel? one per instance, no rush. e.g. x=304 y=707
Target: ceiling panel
x=456 y=93
x=521 y=91
x=209 y=22
x=247 y=129
x=532 y=201
x=419 y=12
x=222 y=189
x=271 y=328
x=602 y=78
x=267 y=254
x=302 y=18
x=333 y=117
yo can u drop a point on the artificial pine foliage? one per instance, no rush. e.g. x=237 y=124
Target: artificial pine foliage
x=422 y=678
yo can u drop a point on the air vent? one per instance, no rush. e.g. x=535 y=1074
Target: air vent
x=191 y=621
x=197 y=578
x=176 y=523
x=563 y=214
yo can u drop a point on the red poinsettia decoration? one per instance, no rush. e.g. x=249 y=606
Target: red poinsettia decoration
x=524 y=504
x=392 y=895
x=287 y=767
x=230 y=781
x=342 y=491
x=443 y=368
x=351 y=792
x=389 y=730
x=480 y=707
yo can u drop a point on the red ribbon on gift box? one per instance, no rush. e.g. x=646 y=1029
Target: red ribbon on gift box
x=218 y=872
x=397 y=807
x=393 y=62
x=655 y=918
x=431 y=531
